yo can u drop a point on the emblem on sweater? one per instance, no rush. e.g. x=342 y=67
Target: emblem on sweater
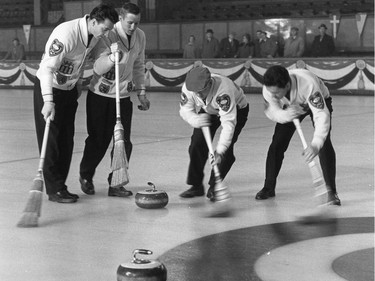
x=61 y=79
x=105 y=86
x=56 y=48
x=184 y=99
x=224 y=102
x=316 y=100
x=66 y=68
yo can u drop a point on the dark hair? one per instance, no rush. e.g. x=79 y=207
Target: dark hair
x=276 y=75
x=103 y=12
x=210 y=31
x=130 y=8
x=248 y=37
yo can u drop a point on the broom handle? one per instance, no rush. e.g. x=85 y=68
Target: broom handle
x=117 y=81
x=44 y=145
x=297 y=124
x=207 y=135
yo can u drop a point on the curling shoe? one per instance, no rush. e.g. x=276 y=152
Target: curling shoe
x=72 y=194
x=333 y=199
x=193 y=192
x=265 y=194
x=87 y=186
x=119 y=192
x=62 y=197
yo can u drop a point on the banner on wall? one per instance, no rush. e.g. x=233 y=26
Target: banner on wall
x=360 y=19
x=26 y=30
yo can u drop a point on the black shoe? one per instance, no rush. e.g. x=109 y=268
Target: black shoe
x=72 y=194
x=210 y=194
x=61 y=197
x=265 y=194
x=193 y=192
x=333 y=199
x=87 y=186
x=119 y=192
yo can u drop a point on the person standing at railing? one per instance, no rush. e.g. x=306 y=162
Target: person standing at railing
x=16 y=52
x=191 y=50
x=246 y=48
x=295 y=45
x=211 y=46
x=265 y=47
x=323 y=45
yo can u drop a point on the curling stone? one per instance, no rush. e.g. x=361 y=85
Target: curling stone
x=141 y=269
x=151 y=198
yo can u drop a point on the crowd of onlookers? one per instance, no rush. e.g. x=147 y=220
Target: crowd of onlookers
x=263 y=46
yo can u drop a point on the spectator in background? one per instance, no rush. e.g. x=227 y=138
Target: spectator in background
x=229 y=46
x=295 y=45
x=191 y=50
x=211 y=46
x=265 y=47
x=246 y=48
x=17 y=52
x=323 y=45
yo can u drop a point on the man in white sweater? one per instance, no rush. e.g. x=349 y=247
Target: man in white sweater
x=294 y=94
x=221 y=102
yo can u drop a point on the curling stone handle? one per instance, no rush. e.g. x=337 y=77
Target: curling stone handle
x=141 y=252
x=152 y=185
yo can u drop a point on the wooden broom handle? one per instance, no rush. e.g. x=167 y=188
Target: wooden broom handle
x=44 y=144
x=117 y=82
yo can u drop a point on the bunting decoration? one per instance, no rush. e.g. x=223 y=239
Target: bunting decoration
x=338 y=74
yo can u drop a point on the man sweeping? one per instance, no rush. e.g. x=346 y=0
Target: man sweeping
x=296 y=94
x=129 y=42
x=220 y=102
x=56 y=90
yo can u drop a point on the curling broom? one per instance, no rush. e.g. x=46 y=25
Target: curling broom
x=119 y=167
x=222 y=197
x=34 y=203
x=320 y=188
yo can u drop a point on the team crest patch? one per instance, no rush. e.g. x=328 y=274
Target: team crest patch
x=104 y=87
x=316 y=100
x=224 y=102
x=66 y=67
x=184 y=99
x=61 y=79
x=56 y=48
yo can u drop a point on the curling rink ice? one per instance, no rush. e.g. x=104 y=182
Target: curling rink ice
x=262 y=240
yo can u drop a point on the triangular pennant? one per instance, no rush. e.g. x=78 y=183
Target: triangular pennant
x=360 y=19
x=26 y=30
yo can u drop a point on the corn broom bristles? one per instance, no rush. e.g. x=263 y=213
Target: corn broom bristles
x=34 y=204
x=120 y=176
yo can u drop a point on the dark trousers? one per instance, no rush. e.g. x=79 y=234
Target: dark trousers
x=61 y=136
x=280 y=142
x=101 y=121
x=198 y=150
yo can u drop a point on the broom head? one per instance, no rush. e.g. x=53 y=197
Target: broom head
x=120 y=176
x=222 y=206
x=34 y=204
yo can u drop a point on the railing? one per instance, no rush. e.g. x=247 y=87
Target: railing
x=344 y=75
